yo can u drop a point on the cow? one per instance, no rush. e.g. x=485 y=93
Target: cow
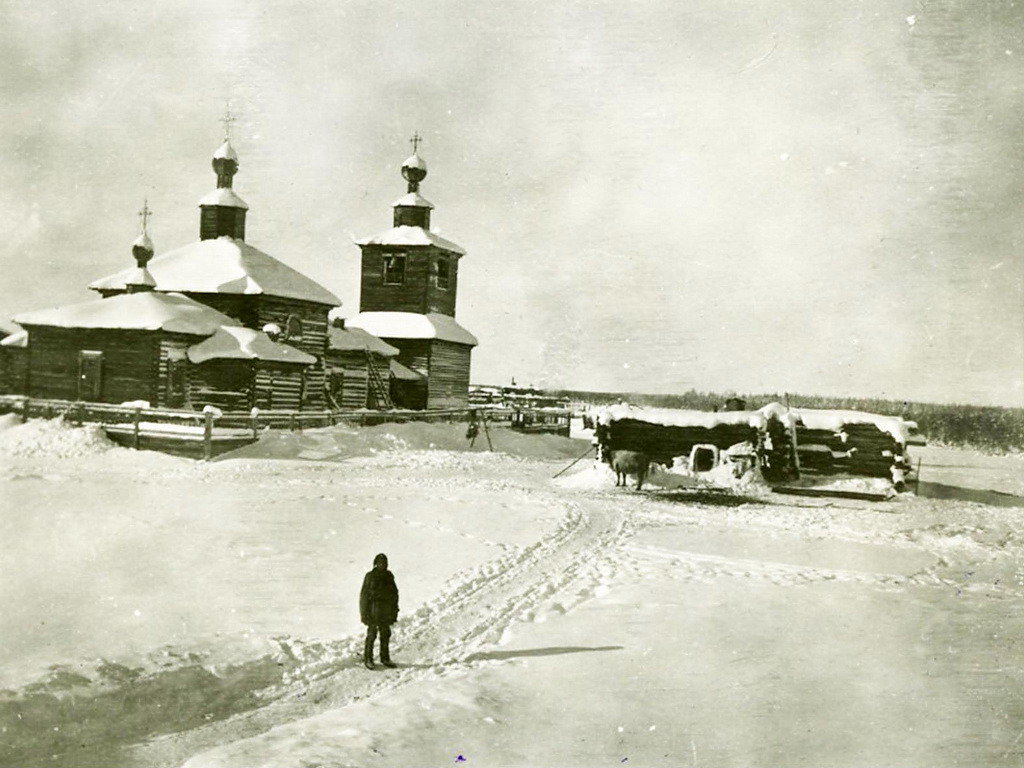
x=630 y=463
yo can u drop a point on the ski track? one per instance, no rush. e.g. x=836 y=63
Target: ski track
x=577 y=561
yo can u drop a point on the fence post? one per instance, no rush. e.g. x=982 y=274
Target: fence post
x=291 y=421
x=80 y=413
x=255 y=425
x=135 y=420
x=208 y=436
x=25 y=409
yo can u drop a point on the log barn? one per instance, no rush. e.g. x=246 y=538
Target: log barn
x=14 y=362
x=408 y=289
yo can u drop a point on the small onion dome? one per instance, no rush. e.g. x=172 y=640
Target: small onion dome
x=225 y=164
x=414 y=169
x=142 y=249
x=226 y=152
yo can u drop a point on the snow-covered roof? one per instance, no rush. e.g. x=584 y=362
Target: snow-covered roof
x=226 y=197
x=836 y=420
x=225 y=152
x=413 y=199
x=146 y=311
x=671 y=417
x=406 y=235
x=403 y=372
x=224 y=265
x=354 y=339
x=412 y=325
x=238 y=343
x=16 y=339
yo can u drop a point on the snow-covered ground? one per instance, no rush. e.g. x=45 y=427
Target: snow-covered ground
x=161 y=612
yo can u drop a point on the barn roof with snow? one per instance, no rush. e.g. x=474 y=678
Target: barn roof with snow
x=413 y=325
x=147 y=311
x=350 y=339
x=223 y=265
x=239 y=343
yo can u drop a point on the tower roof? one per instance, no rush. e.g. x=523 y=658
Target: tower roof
x=225 y=197
x=225 y=152
x=406 y=235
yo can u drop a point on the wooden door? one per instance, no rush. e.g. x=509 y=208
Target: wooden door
x=176 y=383
x=90 y=375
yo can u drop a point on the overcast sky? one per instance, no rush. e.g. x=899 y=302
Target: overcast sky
x=810 y=197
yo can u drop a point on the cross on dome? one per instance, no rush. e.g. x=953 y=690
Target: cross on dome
x=228 y=119
x=415 y=141
x=145 y=213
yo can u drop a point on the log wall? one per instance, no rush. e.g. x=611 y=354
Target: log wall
x=448 y=375
x=130 y=367
x=419 y=292
x=13 y=370
x=226 y=384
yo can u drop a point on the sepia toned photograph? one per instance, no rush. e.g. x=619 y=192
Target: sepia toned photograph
x=527 y=384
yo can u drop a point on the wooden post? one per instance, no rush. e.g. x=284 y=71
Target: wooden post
x=208 y=436
x=291 y=421
x=80 y=413
x=135 y=420
x=25 y=409
x=917 y=480
x=255 y=425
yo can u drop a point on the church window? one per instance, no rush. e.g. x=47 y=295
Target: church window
x=443 y=273
x=394 y=269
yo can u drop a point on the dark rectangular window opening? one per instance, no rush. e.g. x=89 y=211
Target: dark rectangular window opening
x=443 y=274
x=394 y=269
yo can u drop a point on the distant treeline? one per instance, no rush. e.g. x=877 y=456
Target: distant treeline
x=987 y=427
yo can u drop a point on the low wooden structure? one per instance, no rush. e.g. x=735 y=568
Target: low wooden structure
x=358 y=369
x=14 y=363
x=786 y=442
x=554 y=421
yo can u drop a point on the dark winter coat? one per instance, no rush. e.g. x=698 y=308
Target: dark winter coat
x=378 y=599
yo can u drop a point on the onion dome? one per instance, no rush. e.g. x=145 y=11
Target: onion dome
x=142 y=249
x=225 y=164
x=414 y=170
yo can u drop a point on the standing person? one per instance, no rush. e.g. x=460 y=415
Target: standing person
x=378 y=609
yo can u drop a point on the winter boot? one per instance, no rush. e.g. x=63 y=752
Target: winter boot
x=385 y=650
x=368 y=654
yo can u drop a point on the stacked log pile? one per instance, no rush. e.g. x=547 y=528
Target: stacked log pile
x=856 y=447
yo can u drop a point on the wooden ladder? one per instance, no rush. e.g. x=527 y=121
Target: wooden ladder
x=378 y=387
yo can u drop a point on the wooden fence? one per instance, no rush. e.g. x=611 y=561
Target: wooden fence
x=134 y=422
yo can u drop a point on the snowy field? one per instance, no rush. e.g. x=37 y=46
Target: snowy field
x=165 y=612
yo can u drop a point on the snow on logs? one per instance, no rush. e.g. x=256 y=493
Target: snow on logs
x=825 y=441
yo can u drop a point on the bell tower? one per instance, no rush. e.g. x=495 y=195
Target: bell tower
x=409 y=268
x=222 y=212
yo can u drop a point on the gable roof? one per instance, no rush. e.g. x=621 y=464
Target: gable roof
x=406 y=235
x=355 y=339
x=412 y=325
x=234 y=342
x=147 y=311
x=224 y=265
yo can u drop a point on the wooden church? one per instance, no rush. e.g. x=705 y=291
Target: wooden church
x=216 y=322
x=219 y=322
x=408 y=288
